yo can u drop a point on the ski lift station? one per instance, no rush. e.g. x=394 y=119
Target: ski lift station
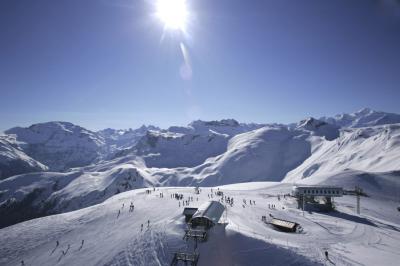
x=317 y=198
x=189 y=212
x=208 y=214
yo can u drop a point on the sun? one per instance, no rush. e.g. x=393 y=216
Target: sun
x=173 y=13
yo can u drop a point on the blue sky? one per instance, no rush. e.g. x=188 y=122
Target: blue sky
x=104 y=63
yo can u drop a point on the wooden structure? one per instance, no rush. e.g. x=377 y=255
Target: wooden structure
x=283 y=225
x=189 y=212
x=185 y=257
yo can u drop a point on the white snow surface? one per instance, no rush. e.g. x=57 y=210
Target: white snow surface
x=272 y=153
x=365 y=117
x=369 y=149
x=117 y=139
x=14 y=161
x=187 y=146
x=59 y=145
x=112 y=167
x=240 y=238
x=78 y=188
x=170 y=150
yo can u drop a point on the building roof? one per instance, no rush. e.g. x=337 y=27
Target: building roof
x=189 y=211
x=283 y=223
x=316 y=186
x=212 y=210
x=318 y=191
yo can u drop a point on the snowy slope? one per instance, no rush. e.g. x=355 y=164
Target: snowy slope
x=241 y=238
x=14 y=161
x=37 y=194
x=370 y=149
x=59 y=145
x=263 y=154
x=363 y=118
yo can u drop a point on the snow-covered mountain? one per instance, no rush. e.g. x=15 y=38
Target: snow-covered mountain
x=363 y=118
x=169 y=150
x=319 y=128
x=228 y=127
x=13 y=161
x=59 y=145
x=117 y=139
x=34 y=195
x=208 y=154
x=187 y=146
x=263 y=154
x=369 y=149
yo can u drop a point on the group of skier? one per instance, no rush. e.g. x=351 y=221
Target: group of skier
x=148 y=225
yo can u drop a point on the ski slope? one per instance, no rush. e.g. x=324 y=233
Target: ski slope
x=241 y=238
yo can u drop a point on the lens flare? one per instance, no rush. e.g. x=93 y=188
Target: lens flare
x=173 y=13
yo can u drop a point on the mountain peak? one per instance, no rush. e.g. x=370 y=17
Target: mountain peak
x=365 y=111
x=215 y=123
x=364 y=117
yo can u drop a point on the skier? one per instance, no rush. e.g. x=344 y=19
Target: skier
x=141 y=227
x=119 y=212
x=326 y=255
x=57 y=243
x=148 y=223
x=22 y=263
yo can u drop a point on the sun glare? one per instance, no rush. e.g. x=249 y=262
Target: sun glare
x=173 y=13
